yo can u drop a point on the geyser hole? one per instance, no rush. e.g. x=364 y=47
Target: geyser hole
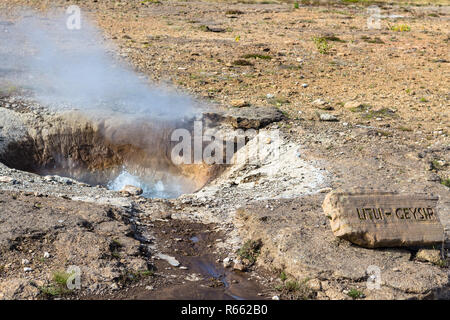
x=112 y=153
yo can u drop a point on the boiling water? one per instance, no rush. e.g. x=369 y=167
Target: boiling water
x=151 y=189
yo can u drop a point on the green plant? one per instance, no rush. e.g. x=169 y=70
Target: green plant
x=292 y=289
x=58 y=286
x=283 y=276
x=242 y=62
x=129 y=276
x=435 y=165
x=322 y=45
x=446 y=182
x=296 y=5
x=256 y=56
x=355 y=294
x=372 y=40
x=61 y=277
x=401 y=28
x=250 y=250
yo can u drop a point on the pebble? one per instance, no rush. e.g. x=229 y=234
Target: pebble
x=304 y=85
x=328 y=117
x=227 y=262
x=25 y=261
x=27 y=269
x=275 y=298
x=46 y=255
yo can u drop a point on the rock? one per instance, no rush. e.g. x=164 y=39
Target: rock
x=240 y=103
x=171 y=260
x=193 y=277
x=27 y=269
x=46 y=255
x=304 y=85
x=322 y=104
x=227 y=262
x=25 y=261
x=275 y=298
x=314 y=284
x=324 y=190
x=239 y=265
x=384 y=219
x=6 y=179
x=253 y=117
x=352 y=104
x=131 y=190
x=328 y=117
x=429 y=255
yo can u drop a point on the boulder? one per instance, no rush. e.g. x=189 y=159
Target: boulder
x=384 y=219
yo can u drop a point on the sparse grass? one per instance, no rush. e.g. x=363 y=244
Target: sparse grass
x=355 y=294
x=58 y=286
x=296 y=5
x=150 y=1
x=283 y=276
x=401 y=28
x=405 y=129
x=332 y=37
x=423 y=100
x=372 y=40
x=383 y=133
x=114 y=247
x=250 y=250
x=368 y=113
x=135 y=276
x=435 y=165
x=256 y=56
x=242 y=62
x=233 y=12
x=446 y=182
x=294 y=290
x=322 y=45
x=278 y=101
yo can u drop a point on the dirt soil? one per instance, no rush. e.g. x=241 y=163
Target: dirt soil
x=386 y=91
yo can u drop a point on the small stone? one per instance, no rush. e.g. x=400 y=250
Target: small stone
x=270 y=96
x=328 y=117
x=275 y=298
x=322 y=104
x=314 y=284
x=27 y=269
x=171 y=260
x=304 y=85
x=429 y=255
x=239 y=103
x=6 y=179
x=149 y=288
x=324 y=190
x=238 y=265
x=352 y=104
x=25 y=261
x=46 y=255
x=131 y=190
x=227 y=262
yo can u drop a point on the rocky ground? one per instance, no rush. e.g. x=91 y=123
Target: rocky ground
x=362 y=108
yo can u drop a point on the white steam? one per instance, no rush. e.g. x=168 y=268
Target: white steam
x=75 y=69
